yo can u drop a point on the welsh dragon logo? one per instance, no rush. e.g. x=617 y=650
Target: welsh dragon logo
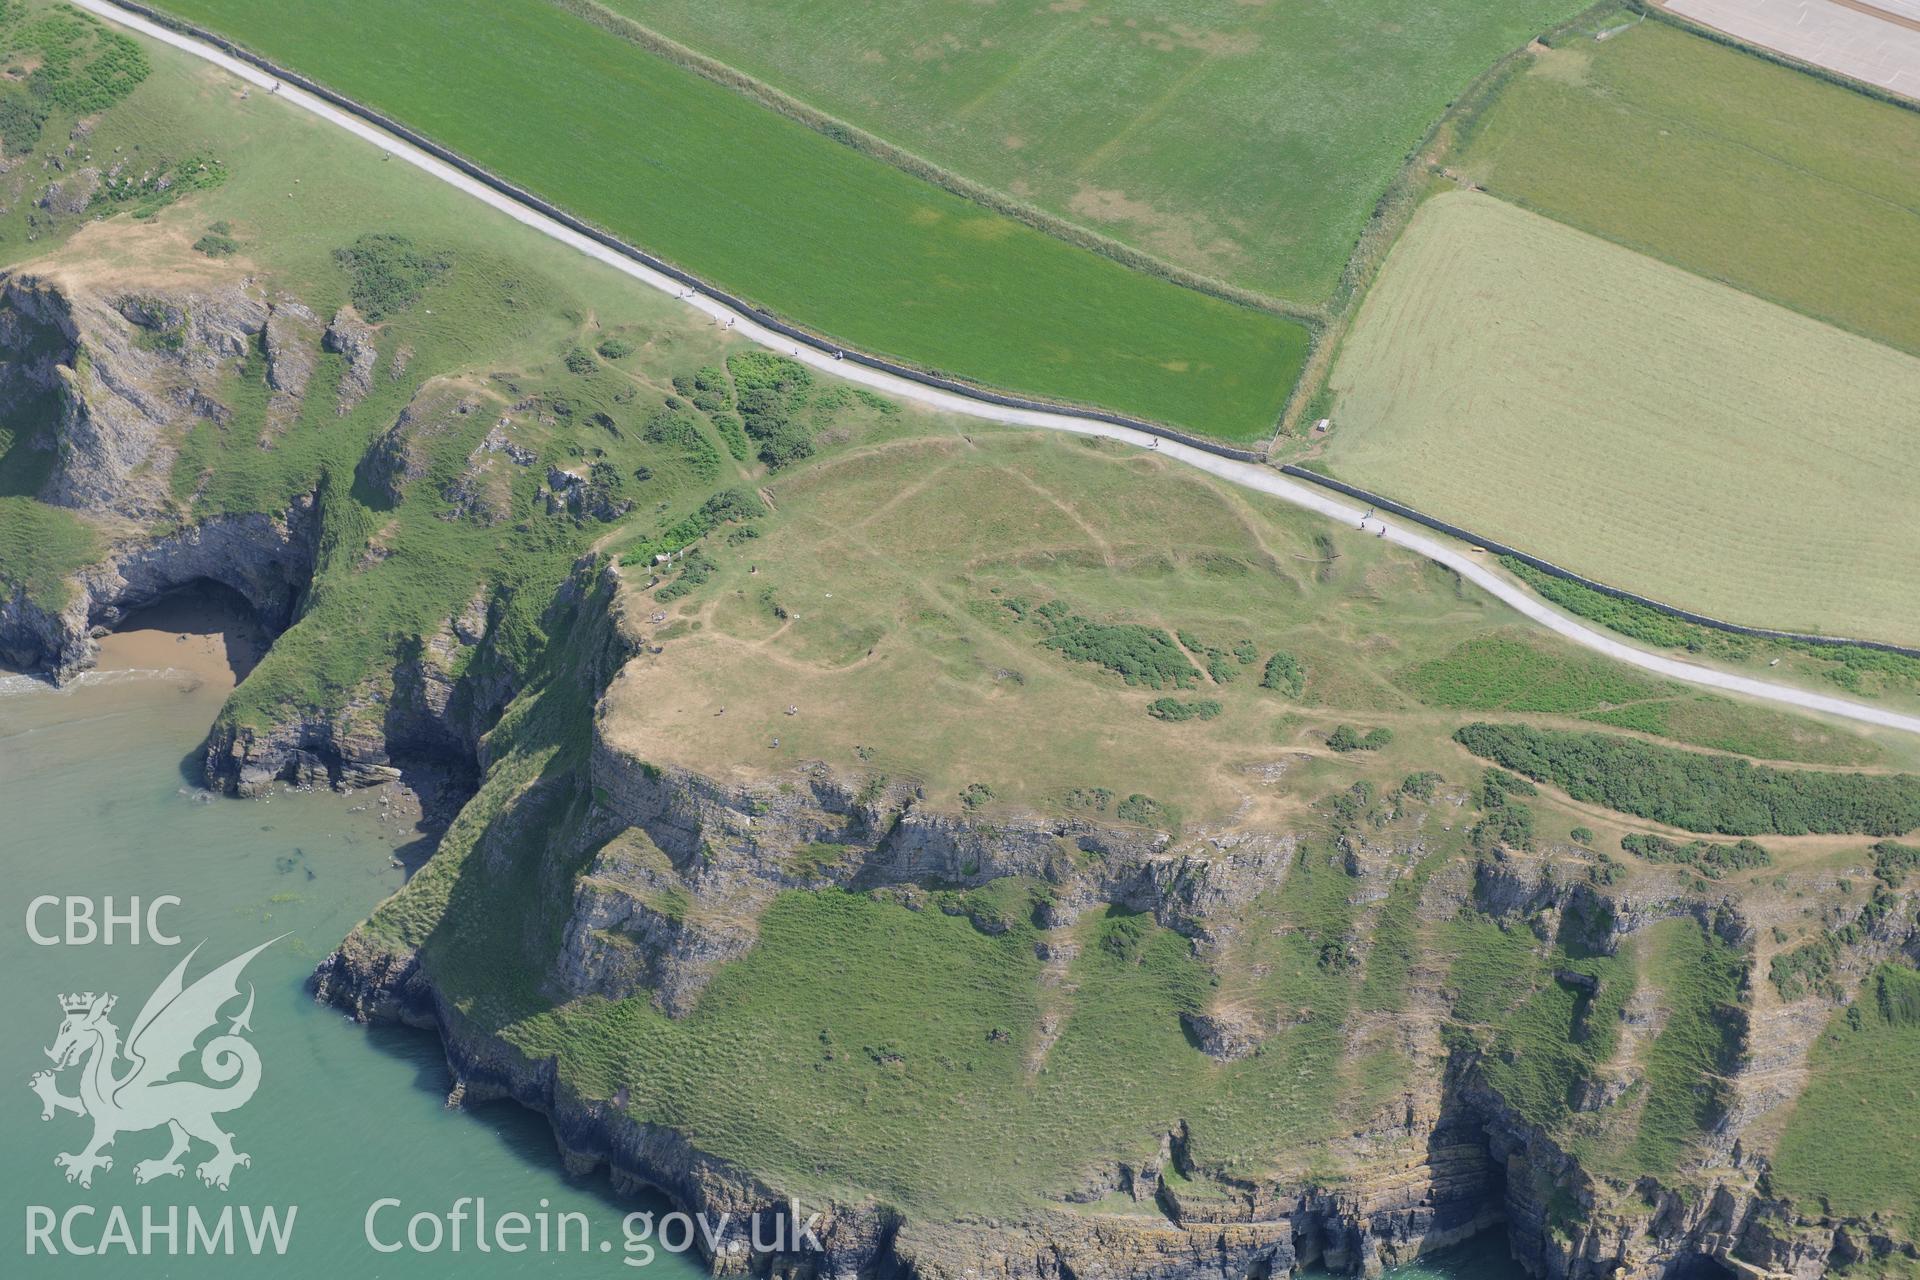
x=144 y=1094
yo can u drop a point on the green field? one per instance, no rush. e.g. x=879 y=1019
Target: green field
x=1635 y=423
x=1248 y=142
x=1736 y=169
x=781 y=215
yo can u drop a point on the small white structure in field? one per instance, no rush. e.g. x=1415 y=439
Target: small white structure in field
x=1323 y=426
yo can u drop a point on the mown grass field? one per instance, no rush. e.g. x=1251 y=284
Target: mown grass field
x=1635 y=423
x=1736 y=169
x=1248 y=142
x=779 y=214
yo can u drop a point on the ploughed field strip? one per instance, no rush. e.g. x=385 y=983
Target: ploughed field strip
x=768 y=209
x=1247 y=142
x=1618 y=416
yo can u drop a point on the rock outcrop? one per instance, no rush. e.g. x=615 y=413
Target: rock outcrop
x=116 y=379
x=292 y=339
x=353 y=338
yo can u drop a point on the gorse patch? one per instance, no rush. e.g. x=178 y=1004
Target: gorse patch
x=1698 y=792
x=1710 y=860
x=386 y=272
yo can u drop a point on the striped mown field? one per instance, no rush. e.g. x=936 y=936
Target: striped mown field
x=1635 y=423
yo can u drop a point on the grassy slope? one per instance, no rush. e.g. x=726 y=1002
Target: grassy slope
x=1111 y=115
x=780 y=214
x=1863 y=1089
x=1739 y=170
x=1616 y=415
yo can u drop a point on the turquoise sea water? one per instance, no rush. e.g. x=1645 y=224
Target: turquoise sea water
x=94 y=802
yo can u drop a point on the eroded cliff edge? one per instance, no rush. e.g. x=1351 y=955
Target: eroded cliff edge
x=655 y=878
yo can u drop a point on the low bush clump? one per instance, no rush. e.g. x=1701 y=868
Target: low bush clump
x=1891 y=861
x=218 y=242
x=1709 y=859
x=1284 y=674
x=386 y=272
x=1422 y=785
x=614 y=348
x=1174 y=709
x=1346 y=738
x=1139 y=655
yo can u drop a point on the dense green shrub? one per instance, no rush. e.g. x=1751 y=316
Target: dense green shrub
x=1347 y=738
x=1807 y=969
x=85 y=68
x=1699 y=792
x=1284 y=674
x=614 y=348
x=1582 y=835
x=707 y=387
x=579 y=360
x=1139 y=655
x=733 y=434
x=1498 y=784
x=975 y=794
x=677 y=428
x=218 y=242
x=1142 y=809
x=1709 y=859
x=1222 y=667
x=386 y=273
x=1422 y=785
x=1891 y=861
x=1174 y=709
x=1510 y=825
x=21 y=116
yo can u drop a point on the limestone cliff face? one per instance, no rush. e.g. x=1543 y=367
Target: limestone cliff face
x=681 y=865
x=118 y=375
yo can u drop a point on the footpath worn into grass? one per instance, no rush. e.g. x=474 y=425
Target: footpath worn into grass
x=781 y=215
x=1619 y=416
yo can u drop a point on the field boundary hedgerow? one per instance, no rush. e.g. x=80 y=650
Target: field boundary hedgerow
x=875 y=147
x=1548 y=567
x=759 y=315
